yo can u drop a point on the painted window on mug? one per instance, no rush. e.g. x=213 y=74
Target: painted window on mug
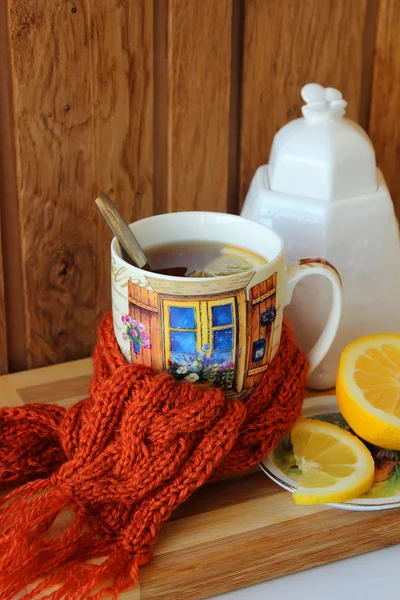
x=222 y=315
x=183 y=342
x=223 y=343
x=182 y=317
x=200 y=340
x=182 y=330
x=223 y=329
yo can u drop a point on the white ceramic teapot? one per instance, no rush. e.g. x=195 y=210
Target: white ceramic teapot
x=322 y=192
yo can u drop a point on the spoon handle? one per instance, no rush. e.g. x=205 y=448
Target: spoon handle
x=121 y=230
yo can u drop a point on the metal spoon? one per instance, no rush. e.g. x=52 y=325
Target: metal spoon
x=132 y=251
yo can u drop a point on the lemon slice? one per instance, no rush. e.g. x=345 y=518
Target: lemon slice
x=368 y=389
x=335 y=465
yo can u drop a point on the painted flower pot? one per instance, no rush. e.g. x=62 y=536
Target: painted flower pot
x=136 y=333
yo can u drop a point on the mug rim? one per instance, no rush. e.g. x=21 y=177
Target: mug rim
x=226 y=216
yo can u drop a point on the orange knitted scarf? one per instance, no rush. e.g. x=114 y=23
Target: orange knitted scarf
x=123 y=459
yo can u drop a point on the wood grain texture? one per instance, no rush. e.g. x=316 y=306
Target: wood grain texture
x=384 y=125
x=155 y=103
x=4 y=101
x=122 y=55
x=198 y=88
x=3 y=343
x=231 y=533
x=286 y=45
x=51 y=62
x=12 y=338
x=3 y=325
x=83 y=114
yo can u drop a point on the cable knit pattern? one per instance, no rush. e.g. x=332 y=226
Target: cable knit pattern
x=123 y=459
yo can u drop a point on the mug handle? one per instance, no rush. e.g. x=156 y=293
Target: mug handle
x=318 y=266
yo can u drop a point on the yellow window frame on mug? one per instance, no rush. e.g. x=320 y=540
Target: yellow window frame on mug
x=201 y=326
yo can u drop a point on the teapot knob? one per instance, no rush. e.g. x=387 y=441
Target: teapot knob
x=325 y=103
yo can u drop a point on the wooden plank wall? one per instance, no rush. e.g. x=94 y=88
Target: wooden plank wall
x=199 y=66
x=3 y=326
x=287 y=43
x=165 y=105
x=384 y=125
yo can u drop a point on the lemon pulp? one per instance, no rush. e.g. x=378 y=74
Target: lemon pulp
x=368 y=389
x=335 y=466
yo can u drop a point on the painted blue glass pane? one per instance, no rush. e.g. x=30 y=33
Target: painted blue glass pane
x=183 y=341
x=223 y=340
x=222 y=315
x=181 y=317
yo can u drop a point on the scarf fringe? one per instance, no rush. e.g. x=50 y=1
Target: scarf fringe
x=123 y=460
x=25 y=552
x=79 y=580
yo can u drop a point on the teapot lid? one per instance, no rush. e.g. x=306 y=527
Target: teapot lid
x=322 y=155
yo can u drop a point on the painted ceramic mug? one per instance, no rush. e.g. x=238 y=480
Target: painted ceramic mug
x=220 y=331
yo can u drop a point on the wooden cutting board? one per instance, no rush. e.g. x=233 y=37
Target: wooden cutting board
x=232 y=533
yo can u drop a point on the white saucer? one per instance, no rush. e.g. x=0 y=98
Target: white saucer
x=382 y=496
